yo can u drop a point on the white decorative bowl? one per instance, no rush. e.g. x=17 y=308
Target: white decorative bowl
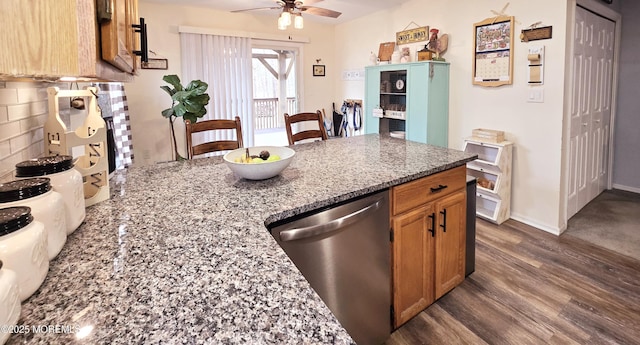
x=259 y=171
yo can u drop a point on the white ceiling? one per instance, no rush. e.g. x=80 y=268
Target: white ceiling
x=350 y=9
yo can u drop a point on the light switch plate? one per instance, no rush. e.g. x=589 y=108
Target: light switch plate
x=536 y=95
x=357 y=74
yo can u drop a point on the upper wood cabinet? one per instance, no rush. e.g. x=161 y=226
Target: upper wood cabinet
x=117 y=35
x=47 y=40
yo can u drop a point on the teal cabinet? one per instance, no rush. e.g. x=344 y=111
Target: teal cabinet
x=414 y=97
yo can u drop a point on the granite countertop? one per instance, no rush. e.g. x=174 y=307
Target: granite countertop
x=180 y=252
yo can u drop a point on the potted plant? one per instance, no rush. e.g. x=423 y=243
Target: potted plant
x=187 y=102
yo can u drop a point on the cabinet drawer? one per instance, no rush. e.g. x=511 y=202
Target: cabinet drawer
x=426 y=189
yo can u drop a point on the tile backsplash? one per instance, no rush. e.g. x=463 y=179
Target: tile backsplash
x=23 y=112
x=24 y=108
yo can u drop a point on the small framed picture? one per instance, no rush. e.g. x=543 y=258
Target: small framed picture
x=318 y=70
x=155 y=64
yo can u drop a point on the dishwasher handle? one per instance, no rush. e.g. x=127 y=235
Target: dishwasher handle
x=335 y=224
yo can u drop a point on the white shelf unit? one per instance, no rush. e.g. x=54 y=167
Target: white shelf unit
x=492 y=169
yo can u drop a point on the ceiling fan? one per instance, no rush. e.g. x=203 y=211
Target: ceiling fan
x=293 y=6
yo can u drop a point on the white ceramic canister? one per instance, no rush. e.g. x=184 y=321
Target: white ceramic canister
x=9 y=301
x=64 y=179
x=395 y=57
x=23 y=248
x=46 y=206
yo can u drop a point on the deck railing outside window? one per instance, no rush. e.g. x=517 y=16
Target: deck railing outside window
x=266 y=114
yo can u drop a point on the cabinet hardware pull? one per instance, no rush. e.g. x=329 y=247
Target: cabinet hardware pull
x=444 y=220
x=439 y=188
x=433 y=224
x=141 y=28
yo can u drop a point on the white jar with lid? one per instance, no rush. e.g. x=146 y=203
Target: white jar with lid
x=46 y=206
x=64 y=179
x=23 y=248
x=9 y=300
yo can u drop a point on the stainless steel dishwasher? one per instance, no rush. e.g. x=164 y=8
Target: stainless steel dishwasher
x=343 y=252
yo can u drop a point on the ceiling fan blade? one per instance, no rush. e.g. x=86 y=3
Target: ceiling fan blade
x=257 y=8
x=320 y=11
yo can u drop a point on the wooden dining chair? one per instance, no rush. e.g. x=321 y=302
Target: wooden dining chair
x=319 y=133
x=213 y=146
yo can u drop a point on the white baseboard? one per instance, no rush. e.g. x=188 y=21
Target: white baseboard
x=546 y=228
x=626 y=188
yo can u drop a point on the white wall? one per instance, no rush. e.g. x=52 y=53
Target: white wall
x=150 y=131
x=535 y=128
x=626 y=169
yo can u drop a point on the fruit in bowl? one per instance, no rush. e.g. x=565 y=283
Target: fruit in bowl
x=259 y=162
x=264 y=156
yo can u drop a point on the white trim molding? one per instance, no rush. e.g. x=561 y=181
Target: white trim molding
x=236 y=33
x=626 y=188
x=550 y=229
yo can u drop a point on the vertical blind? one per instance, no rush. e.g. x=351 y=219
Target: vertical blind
x=223 y=62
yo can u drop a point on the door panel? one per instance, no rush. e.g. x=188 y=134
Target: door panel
x=117 y=35
x=590 y=109
x=450 y=242
x=609 y=35
x=413 y=263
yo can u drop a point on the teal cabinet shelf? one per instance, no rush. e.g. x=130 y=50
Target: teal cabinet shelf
x=414 y=97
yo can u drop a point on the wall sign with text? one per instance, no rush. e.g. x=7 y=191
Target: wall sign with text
x=414 y=35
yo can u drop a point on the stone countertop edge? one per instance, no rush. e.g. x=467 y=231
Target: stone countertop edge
x=180 y=252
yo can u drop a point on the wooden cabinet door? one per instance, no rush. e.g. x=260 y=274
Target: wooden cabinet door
x=117 y=35
x=413 y=262
x=450 y=242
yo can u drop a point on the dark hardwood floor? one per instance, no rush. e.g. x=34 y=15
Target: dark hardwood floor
x=531 y=287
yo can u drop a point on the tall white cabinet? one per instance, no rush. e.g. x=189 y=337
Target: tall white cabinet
x=492 y=169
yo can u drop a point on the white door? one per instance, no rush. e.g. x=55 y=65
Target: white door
x=606 y=32
x=590 y=108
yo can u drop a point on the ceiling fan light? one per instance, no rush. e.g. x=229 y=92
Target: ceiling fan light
x=281 y=24
x=286 y=18
x=298 y=22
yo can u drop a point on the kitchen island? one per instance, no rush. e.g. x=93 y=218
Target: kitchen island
x=180 y=253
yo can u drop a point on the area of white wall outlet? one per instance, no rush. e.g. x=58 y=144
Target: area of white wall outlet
x=353 y=74
x=536 y=95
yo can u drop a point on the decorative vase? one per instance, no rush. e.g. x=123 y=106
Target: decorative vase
x=373 y=59
x=395 y=57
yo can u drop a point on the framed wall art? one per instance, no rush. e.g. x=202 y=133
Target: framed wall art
x=318 y=70
x=492 y=51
